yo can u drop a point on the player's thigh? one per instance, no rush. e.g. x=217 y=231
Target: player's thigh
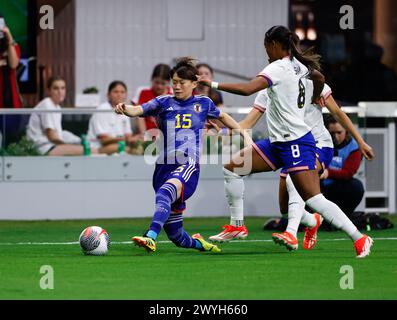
x=307 y=183
x=247 y=161
x=66 y=150
x=283 y=197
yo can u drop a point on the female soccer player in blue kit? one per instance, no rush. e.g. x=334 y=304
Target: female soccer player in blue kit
x=182 y=120
x=291 y=144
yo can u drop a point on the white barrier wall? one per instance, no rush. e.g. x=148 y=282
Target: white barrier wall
x=36 y=188
x=125 y=39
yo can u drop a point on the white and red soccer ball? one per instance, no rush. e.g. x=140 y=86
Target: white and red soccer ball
x=94 y=241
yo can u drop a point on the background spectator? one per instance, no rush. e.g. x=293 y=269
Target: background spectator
x=215 y=95
x=10 y=54
x=108 y=131
x=45 y=129
x=160 y=85
x=338 y=184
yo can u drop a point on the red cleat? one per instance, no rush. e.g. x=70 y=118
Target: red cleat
x=310 y=239
x=286 y=239
x=230 y=233
x=363 y=246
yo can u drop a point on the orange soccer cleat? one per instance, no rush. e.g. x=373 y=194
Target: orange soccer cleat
x=363 y=246
x=286 y=239
x=230 y=233
x=310 y=239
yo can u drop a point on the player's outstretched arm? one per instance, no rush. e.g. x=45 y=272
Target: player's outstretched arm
x=229 y=122
x=129 y=110
x=251 y=119
x=247 y=123
x=243 y=88
x=345 y=121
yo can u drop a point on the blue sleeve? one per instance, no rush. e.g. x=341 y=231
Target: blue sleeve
x=213 y=111
x=151 y=108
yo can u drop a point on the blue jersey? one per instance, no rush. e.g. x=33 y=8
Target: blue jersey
x=182 y=123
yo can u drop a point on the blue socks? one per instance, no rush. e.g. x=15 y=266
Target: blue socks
x=173 y=224
x=174 y=229
x=165 y=196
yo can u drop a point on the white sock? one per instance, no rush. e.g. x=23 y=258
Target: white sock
x=308 y=219
x=295 y=207
x=234 y=188
x=334 y=215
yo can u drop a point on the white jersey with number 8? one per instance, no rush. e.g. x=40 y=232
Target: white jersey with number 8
x=287 y=99
x=313 y=114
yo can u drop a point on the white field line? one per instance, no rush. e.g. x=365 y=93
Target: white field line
x=130 y=242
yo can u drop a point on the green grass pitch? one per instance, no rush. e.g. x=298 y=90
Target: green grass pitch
x=244 y=270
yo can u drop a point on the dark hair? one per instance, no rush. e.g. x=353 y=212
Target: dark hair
x=116 y=83
x=290 y=41
x=185 y=68
x=205 y=65
x=328 y=120
x=161 y=71
x=51 y=81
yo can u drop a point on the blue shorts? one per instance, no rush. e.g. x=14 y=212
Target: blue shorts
x=294 y=156
x=187 y=174
x=324 y=156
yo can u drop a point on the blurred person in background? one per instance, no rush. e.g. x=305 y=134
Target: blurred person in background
x=45 y=129
x=206 y=70
x=109 y=132
x=160 y=85
x=337 y=182
x=10 y=54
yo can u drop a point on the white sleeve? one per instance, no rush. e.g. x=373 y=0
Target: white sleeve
x=99 y=124
x=48 y=120
x=261 y=101
x=273 y=73
x=326 y=91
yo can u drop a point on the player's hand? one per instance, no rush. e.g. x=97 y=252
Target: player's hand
x=367 y=151
x=120 y=108
x=204 y=80
x=319 y=101
x=211 y=128
x=324 y=175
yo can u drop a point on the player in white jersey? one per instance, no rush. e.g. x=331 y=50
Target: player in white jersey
x=291 y=145
x=291 y=203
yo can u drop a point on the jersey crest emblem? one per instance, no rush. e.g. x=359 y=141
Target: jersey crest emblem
x=197 y=107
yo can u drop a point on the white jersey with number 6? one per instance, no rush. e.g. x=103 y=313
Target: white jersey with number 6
x=314 y=119
x=287 y=98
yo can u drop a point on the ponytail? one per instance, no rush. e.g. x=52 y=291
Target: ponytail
x=290 y=41
x=308 y=57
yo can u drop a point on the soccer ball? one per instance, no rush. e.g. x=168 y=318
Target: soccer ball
x=94 y=241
